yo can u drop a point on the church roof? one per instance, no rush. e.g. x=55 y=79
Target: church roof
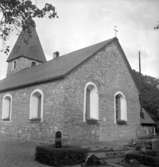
x=55 y=69
x=28 y=46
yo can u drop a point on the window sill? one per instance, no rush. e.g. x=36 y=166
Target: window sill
x=5 y=121
x=121 y=122
x=92 y=121
x=35 y=120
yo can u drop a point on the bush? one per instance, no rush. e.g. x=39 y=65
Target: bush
x=146 y=158
x=93 y=160
x=66 y=155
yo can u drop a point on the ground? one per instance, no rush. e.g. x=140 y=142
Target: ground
x=14 y=153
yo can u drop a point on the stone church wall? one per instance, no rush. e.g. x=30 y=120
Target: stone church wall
x=64 y=104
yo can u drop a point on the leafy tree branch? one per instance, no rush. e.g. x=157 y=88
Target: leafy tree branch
x=19 y=14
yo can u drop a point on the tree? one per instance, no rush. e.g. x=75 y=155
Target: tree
x=149 y=93
x=156 y=27
x=19 y=14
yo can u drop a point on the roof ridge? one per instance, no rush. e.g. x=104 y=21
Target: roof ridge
x=53 y=60
x=97 y=43
x=53 y=69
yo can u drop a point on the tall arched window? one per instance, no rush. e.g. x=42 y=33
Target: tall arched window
x=36 y=105
x=120 y=108
x=91 y=102
x=7 y=107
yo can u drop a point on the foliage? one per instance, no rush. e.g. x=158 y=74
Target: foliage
x=146 y=158
x=156 y=27
x=67 y=155
x=93 y=161
x=17 y=14
x=149 y=93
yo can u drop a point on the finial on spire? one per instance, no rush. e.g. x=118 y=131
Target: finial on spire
x=115 y=30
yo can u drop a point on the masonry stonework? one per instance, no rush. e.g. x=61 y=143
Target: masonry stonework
x=64 y=104
x=20 y=64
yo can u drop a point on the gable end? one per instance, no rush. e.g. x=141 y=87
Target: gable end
x=127 y=63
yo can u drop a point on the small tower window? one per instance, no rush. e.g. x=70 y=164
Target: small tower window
x=33 y=63
x=13 y=65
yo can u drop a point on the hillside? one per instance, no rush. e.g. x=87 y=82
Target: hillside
x=149 y=93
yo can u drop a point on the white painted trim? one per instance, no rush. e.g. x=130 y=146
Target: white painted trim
x=122 y=94
x=10 y=114
x=84 y=109
x=42 y=102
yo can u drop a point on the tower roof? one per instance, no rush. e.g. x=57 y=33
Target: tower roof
x=28 y=46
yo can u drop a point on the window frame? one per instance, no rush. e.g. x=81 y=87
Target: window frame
x=41 y=106
x=121 y=121
x=10 y=111
x=91 y=120
x=14 y=64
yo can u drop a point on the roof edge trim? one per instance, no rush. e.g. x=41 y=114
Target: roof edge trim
x=26 y=58
x=128 y=65
x=32 y=84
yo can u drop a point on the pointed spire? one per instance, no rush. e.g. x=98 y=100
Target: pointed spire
x=28 y=46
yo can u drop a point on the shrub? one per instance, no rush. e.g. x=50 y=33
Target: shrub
x=146 y=158
x=66 y=155
x=93 y=160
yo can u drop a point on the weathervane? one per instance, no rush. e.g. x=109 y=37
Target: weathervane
x=115 y=30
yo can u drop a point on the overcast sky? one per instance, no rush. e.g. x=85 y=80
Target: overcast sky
x=85 y=22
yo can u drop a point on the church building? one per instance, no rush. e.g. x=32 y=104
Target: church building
x=89 y=94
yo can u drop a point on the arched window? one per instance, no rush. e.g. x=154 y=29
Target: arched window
x=36 y=105
x=120 y=108
x=7 y=107
x=91 y=102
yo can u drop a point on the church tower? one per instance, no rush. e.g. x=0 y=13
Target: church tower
x=27 y=52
